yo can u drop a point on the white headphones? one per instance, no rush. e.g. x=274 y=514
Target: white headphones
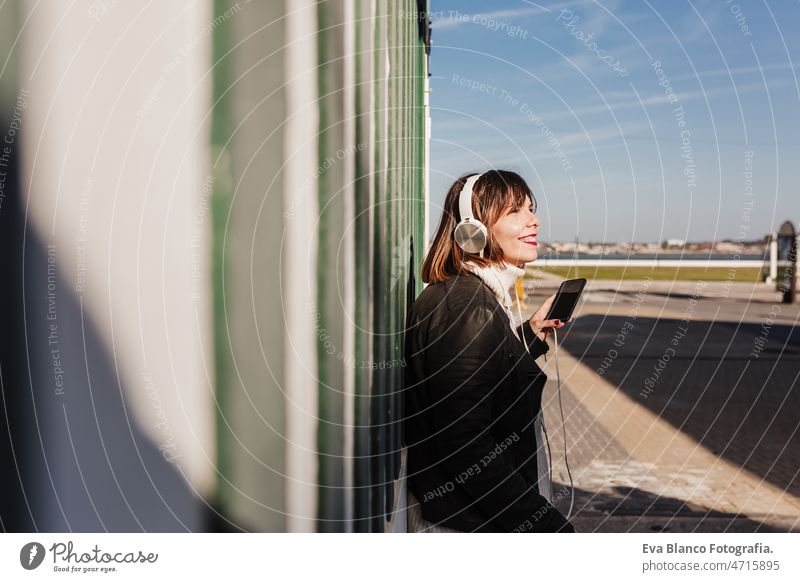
x=470 y=234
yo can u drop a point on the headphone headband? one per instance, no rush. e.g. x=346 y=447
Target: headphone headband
x=465 y=198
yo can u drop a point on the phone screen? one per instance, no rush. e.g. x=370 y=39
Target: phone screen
x=566 y=299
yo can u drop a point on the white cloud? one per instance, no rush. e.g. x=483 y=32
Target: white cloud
x=738 y=71
x=532 y=10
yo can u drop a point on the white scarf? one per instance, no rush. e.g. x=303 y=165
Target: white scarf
x=500 y=281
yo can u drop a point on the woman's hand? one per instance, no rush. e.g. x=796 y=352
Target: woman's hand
x=543 y=327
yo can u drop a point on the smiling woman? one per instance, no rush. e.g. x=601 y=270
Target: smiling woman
x=473 y=390
x=503 y=200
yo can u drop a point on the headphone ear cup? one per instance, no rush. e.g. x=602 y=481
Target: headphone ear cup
x=471 y=236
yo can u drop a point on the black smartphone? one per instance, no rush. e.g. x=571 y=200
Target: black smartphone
x=566 y=299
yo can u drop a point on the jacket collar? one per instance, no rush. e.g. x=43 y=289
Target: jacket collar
x=498 y=279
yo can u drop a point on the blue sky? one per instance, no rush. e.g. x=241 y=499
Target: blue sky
x=703 y=147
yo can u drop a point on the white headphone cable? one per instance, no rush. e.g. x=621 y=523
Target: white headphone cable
x=564 y=429
x=563 y=425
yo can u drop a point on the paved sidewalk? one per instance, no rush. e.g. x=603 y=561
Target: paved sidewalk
x=681 y=408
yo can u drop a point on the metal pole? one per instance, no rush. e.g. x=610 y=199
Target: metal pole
x=773 y=258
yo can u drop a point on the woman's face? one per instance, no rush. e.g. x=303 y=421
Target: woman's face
x=516 y=232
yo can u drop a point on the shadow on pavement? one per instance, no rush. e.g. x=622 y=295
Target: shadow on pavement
x=629 y=509
x=729 y=386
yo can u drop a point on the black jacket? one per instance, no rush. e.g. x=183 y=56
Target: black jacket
x=471 y=394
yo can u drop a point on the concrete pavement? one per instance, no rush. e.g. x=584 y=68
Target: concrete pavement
x=681 y=407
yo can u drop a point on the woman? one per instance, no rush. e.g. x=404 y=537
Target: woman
x=473 y=389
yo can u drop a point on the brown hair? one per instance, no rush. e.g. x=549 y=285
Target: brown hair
x=495 y=192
